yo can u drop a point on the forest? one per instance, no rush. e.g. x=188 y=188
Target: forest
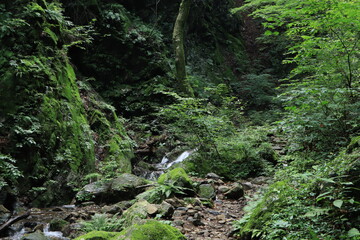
x=180 y=119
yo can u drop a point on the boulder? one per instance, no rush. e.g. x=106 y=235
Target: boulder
x=206 y=191
x=236 y=191
x=166 y=210
x=135 y=213
x=35 y=236
x=212 y=176
x=98 y=235
x=176 y=177
x=124 y=187
x=150 y=230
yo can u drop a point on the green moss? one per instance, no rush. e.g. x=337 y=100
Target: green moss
x=151 y=230
x=98 y=235
x=177 y=177
x=135 y=213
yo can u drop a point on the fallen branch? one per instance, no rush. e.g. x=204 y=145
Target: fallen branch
x=14 y=220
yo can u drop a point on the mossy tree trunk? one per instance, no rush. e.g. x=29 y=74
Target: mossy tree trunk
x=178 y=41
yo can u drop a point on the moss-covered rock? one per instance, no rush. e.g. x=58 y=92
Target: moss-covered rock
x=98 y=235
x=135 y=213
x=151 y=230
x=58 y=224
x=206 y=191
x=176 y=177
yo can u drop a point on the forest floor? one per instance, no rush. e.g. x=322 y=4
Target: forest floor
x=216 y=222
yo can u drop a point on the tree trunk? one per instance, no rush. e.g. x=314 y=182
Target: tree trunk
x=178 y=41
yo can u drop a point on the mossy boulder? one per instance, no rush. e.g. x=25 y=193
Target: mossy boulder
x=176 y=177
x=151 y=230
x=206 y=191
x=124 y=187
x=58 y=224
x=136 y=213
x=35 y=236
x=98 y=235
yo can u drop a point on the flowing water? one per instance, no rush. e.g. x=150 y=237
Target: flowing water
x=166 y=163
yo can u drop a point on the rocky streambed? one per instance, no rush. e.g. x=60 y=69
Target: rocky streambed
x=200 y=208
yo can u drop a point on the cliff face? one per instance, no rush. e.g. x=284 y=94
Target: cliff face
x=50 y=130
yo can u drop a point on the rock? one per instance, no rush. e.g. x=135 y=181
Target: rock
x=223 y=189
x=260 y=180
x=212 y=176
x=124 y=187
x=35 y=236
x=176 y=177
x=166 y=210
x=4 y=214
x=135 y=213
x=112 y=209
x=96 y=191
x=149 y=230
x=151 y=209
x=247 y=185
x=98 y=235
x=127 y=186
x=206 y=191
x=178 y=223
x=176 y=202
x=57 y=224
x=235 y=192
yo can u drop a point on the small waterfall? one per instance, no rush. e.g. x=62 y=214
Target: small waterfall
x=166 y=163
x=53 y=234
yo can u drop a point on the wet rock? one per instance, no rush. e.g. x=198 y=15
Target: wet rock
x=97 y=191
x=235 y=192
x=4 y=214
x=35 y=236
x=206 y=191
x=57 y=224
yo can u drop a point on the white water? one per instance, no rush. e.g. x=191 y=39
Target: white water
x=166 y=163
x=53 y=234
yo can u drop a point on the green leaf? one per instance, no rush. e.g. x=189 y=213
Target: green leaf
x=338 y=203
x=353 y=232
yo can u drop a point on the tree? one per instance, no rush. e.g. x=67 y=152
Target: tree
x=178 y=41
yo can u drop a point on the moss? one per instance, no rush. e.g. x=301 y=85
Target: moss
x=177 y=177
x=151 y=230
x=135 y=213
x=98 y=235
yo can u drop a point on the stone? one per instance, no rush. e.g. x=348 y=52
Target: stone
x=57 y=224
x=135 y=213
x=124 y=187
x=112 y=209
x=176 y=177
x=151 y=209
x=223 y=189
x=212 y=176
x=166 y=210
x=206 y=191
x=247 y=185
x=235 y=192
x=98 y=235
x=150 y=229
x=35 y=236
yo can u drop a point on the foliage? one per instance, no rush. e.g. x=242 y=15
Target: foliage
x=101 y=222
x=208 y=125
x=321 y=99
x=9 y=173
x=317 y=203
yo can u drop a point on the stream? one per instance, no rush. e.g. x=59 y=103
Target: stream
x=165 y=164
